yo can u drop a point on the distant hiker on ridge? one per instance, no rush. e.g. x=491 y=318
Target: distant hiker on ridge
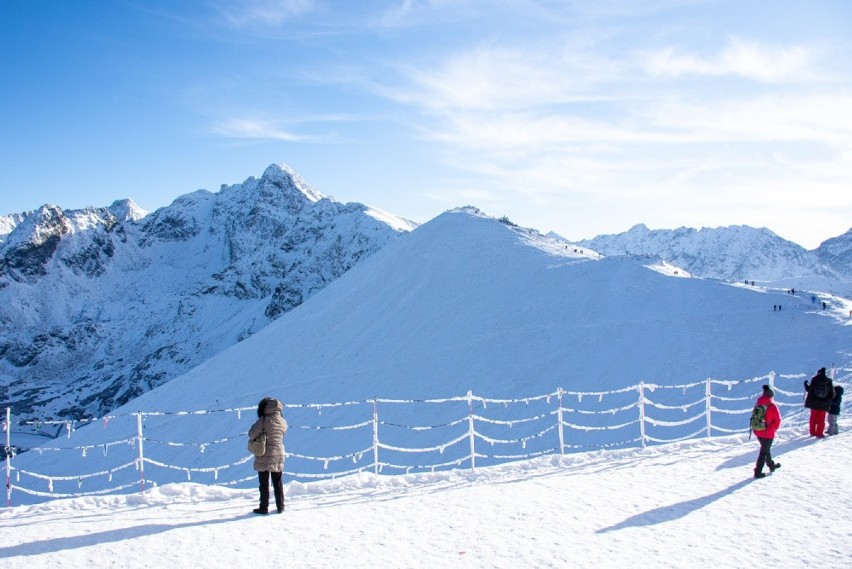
x=834 y=412
x=270 y=463
x=765 y=420
x=820 y=393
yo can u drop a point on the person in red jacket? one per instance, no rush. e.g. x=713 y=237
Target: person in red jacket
x=765 y=436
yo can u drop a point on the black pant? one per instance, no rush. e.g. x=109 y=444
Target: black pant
x=277 y=486
x=765 y=456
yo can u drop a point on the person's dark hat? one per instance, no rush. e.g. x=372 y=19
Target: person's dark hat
x=821 y=370
x=767 y=391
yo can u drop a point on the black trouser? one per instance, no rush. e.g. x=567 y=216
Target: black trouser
x=765 y=456
x=277 y=486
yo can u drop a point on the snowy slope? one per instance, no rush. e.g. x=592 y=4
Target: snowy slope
x=100 y=305
x=687 y=505
x=466 y=302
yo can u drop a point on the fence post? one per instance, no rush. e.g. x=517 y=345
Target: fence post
x=375 y=436
x=559 y=418
x=470 y=429
x=708 y=395
x=8 y=452
x=141 y=451
x=641 y=388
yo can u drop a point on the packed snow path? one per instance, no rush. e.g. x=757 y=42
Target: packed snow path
x=689 y=504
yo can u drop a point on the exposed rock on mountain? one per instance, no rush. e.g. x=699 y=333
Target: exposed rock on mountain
x=837 y=253
x=98 y=306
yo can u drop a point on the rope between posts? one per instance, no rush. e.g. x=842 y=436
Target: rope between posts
x=510 y=423
x=410 y=467
x=720 y=398
x=527 y=456
x=683 y=407
x=658 y=423
x=731 y=411
x=514 y=441
x=56 y=495
x=109 y=472
x=323 y=476
x=637 y=440
x=612 y=411
x=424 y=427
x=439 y=448
x=335 y=428
x=351 y=456
x=677 y=440
x=606 y=428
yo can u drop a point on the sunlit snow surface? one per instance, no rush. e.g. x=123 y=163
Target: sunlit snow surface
x=692 y=504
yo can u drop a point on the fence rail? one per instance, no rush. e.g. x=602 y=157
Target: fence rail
x=376 y=436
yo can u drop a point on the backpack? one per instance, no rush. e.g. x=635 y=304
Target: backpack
x=820 y=389
x=758 y=418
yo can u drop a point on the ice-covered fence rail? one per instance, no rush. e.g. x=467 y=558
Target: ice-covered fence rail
x=78 y=478
x=200 y=446
x=589 y=428
x=611 y=411
x=424 y=427
x=353 y=456
x=524 y=421
x=189 y=470
x=84 y=449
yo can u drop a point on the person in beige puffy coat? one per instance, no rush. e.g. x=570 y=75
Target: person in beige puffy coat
x=271 y=464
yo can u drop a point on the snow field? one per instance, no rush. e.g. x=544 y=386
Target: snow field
x=687 y=504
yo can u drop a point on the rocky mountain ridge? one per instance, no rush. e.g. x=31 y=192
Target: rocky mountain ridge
x=100 y=305
x=740 y=253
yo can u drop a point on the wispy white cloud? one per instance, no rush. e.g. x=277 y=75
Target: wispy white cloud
x=796 y=116
x=743 y=58
x=498 y=78
x=558 y=125
x=495 y=98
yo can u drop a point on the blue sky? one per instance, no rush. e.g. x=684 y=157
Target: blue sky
x=578 y=117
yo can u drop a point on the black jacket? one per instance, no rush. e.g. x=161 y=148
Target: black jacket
x=835 y=403
x=812 y=402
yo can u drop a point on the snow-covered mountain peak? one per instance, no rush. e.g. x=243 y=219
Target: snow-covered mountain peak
x=8 y=223
x=45 y=224
x=279 y=191
x=127 y=210
x=285 y=178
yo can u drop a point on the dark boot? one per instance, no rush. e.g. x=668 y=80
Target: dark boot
x=260 y=511
x=774 y=467
x=759 y=474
